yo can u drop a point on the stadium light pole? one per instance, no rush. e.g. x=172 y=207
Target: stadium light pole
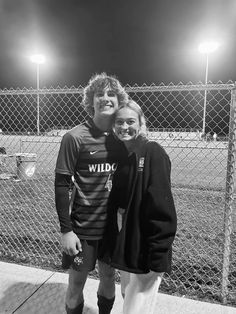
x=38 y=59
x=206 y=48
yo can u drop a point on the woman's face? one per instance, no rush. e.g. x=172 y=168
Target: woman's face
x=126 y=126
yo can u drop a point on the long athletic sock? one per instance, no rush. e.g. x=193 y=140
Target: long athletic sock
x=77 y=310
x=105 y=305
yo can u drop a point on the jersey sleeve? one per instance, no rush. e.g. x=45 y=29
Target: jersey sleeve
x=62 y=183
x=68 y=155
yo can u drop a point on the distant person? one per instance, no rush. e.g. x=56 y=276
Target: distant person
x=89 y=154
x=214 y=137
x=3 y=153
x=142 y=219
x=208 y=136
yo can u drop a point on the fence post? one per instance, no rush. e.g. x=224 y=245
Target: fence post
x=229 y=195
x=20 y=145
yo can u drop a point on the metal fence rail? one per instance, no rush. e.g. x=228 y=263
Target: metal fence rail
x=203 y=167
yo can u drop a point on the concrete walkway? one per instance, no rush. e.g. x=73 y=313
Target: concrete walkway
x=28 y=290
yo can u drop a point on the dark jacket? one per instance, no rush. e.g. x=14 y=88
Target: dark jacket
x=142 y=186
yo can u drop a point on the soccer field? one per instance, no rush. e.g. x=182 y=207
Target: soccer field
x=195 y=164
x=30 y=229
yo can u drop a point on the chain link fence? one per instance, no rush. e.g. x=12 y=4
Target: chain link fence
x=203 y=167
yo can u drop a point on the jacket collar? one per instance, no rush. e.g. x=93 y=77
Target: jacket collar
x=139 y=145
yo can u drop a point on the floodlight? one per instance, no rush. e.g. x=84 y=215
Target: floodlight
x=38 y=59
x=208 y=47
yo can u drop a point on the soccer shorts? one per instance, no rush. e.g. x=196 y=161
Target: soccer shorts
x=85 y=260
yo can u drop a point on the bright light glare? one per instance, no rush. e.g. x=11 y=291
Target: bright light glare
x=208 y=47
x=38 y=59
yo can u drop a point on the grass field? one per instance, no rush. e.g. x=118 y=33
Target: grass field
x=30 y=231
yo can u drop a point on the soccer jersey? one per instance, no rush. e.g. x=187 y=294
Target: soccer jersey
x=91 y=156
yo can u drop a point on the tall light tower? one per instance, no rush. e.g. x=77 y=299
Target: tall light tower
x=206 y=48
x=38 y=59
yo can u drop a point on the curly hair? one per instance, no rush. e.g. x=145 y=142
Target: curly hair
x=99 y=82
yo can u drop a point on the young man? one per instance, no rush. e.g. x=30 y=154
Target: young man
x=90 y=153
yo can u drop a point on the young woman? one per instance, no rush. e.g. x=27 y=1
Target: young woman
x=141 y=213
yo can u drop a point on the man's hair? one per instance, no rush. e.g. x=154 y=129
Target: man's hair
x=131 y=104
x=98 y=83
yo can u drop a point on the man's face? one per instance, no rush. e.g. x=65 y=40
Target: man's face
x=105 y=102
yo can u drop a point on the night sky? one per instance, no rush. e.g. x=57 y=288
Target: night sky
x=140 y=41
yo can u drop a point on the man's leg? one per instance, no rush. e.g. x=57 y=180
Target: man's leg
x=74 y=294
x=81 y=265
x=106 y=288
x=141 y=293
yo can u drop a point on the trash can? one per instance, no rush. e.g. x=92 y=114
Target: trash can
x=26 y=165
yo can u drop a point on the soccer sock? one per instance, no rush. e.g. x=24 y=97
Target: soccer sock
x=77 y=310
x=105 y=305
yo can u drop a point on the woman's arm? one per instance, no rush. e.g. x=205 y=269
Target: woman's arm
x=160 y=210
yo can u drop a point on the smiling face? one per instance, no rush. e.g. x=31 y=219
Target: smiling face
x=105 y=102
x=127 y=124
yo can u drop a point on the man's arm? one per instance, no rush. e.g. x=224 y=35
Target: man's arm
x=62 y=184
x=70 y=242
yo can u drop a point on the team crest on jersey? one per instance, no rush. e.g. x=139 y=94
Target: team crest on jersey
x=141 y=164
